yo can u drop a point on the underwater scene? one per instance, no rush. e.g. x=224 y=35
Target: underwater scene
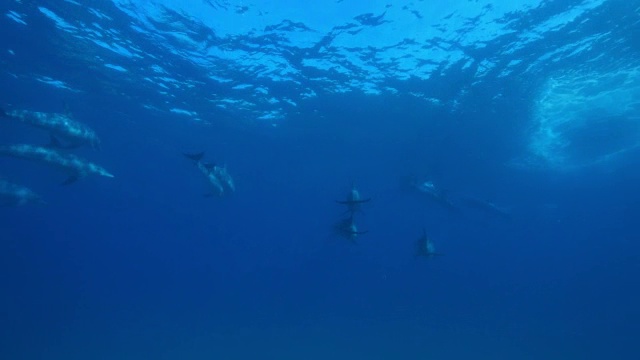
x=339 y=179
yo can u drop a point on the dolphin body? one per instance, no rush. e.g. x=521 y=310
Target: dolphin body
x=223 y=175
x=353 y=200
x=488 y=207
x=74 y=166
x=424 y=246
x=208 y=170
x=436 y=194
x=60 y=126
x=17 y=195
x=348 y=229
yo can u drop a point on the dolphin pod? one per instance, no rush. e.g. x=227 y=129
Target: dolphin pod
x=64 y=131
x=423 y=246
x=347 y=227
x=74 y=166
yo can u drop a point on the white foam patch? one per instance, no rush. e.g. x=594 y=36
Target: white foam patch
x=586 y=118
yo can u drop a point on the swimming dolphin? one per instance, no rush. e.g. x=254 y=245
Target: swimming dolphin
x=424 y=246
x=74 y=166
x=223 y=175
x=353 y=200
x=436 y=194
x=16 y=195
x=487 y=207
x=208 y=170
x=65 y=132
x=348 y=229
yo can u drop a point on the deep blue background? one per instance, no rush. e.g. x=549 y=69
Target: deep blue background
x=144 y=266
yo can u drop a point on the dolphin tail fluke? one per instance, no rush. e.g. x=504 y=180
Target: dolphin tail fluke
x=195 y=156
x=70 y=180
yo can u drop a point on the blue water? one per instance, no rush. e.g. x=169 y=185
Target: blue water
x=532 y=106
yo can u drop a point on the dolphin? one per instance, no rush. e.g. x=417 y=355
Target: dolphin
x=487 y=206
x=223 y=175
x=424 y=246
x=73 y=165
x=65 y=132
x=348 y=229
x=208 y=170
x=16 y=195
x=353 y=200
x=438 y=195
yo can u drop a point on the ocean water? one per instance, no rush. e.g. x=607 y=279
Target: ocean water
x=522 y=117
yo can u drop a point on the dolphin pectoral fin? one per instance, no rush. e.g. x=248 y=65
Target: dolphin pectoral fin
x=54 y=142
x=70 y=180
x=194 y=157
